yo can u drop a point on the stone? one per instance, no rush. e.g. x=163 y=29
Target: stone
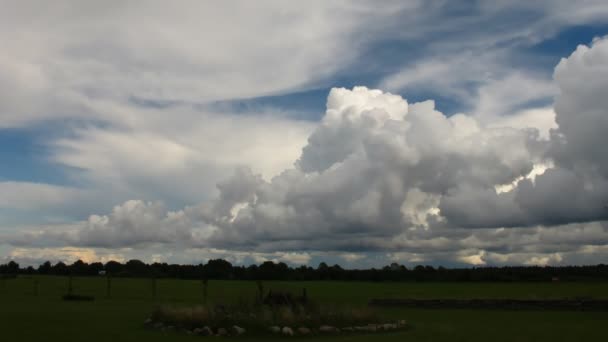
x=327 y=329
x=236 y=330
x=206 y=331
x=222 y=332
x=348 y=329
x=360 y=328
x=372 y=328
x=287 y=331
x=274 y=329
x=401 y=323
x=158 y=325
x=148 y=322
x=304 y=331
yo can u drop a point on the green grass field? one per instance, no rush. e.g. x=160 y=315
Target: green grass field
x=25 y=316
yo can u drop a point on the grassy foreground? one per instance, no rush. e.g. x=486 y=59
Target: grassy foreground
x=25 y=316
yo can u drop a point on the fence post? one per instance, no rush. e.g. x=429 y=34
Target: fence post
x=70 y=288
x=154 y=287
x=205 y=282
x=260 y=291
x=108 y=286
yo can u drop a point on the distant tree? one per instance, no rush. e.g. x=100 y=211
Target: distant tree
x=137 y=268
x=60 y=268
x=45 y=268
x=79 y=267
x=218 y=269
x=12 y=267
x=113 y=267
x=94 y=268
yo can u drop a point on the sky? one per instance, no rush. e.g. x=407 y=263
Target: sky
x=454 y=133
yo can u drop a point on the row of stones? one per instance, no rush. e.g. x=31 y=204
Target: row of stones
x=286 y=331
x=204 y=331
x=328 y=329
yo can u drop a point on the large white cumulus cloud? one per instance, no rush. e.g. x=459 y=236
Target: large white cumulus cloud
x=576 y=188
x=375 y=168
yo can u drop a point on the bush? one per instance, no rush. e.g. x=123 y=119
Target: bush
x=73 y=297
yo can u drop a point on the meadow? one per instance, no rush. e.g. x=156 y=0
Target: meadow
x=31 y=309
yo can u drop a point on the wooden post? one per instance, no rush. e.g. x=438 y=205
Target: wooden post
x=153 y=287
x=260 y=291
x=204 y=283
x=108 y=286
x=70 y=288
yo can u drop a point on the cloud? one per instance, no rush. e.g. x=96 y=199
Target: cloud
x=374 y=167
x=36 y=256
x=376 y=175
x=542 y=119
x=381 y=174
x=71 y=55
x=194 y=149
x=36 y=196
x=351 y=257
x=580 y=166
x=489 y=72
x=581 y=108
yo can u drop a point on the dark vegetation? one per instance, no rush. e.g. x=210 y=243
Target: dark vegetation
x=579 y=304
x=78 y=298
x=257 y=313
x=222 y=269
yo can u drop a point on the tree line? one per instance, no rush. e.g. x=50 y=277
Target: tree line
x=222 y=269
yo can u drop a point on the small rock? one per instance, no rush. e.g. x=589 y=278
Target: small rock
x=327 y=329
x=158 y=325
x=206 y=331
x=401 y=323
x=348 y=329
x=171 y=328
x=222 y=332
x=287 y=331
x=148 y=322
x=236 y=330
x=360 y=328
x=304 y=331
x=274 y=329
x=372 y=328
